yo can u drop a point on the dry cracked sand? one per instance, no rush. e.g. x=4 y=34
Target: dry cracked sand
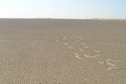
x=54 y=51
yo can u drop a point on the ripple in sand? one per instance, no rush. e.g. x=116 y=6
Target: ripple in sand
x=110 y=60
x=80 y=39
x=83 y=43
x=64 y=38
x=70 y=47
x=81 y=49
x=65 y=44
x=88 y=56
x=67 y=35
x=86 y=47
x=100 y=62
x=97 y=51
x=57 y=40
x=111 y=68
x=111 y=65
x=77 y=56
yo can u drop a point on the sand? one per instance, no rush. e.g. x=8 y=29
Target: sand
x=55 y=51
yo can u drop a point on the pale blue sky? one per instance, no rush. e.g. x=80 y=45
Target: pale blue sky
x=78 y=9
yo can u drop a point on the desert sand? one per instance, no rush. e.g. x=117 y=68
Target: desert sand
x=59 y=51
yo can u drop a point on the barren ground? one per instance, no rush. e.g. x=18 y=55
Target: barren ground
x=48 y=51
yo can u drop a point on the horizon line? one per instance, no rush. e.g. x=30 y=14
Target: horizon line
x=67 y=18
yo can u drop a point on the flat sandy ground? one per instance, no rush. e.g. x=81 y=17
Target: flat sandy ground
x=48 y=51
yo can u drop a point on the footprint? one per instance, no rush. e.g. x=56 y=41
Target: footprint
x=77 y=56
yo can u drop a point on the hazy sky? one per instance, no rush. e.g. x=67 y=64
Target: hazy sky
x=63 y=9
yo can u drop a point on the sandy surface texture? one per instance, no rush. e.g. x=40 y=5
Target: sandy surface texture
x=48 y=51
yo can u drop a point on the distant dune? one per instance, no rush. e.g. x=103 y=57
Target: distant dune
x=112 y=19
